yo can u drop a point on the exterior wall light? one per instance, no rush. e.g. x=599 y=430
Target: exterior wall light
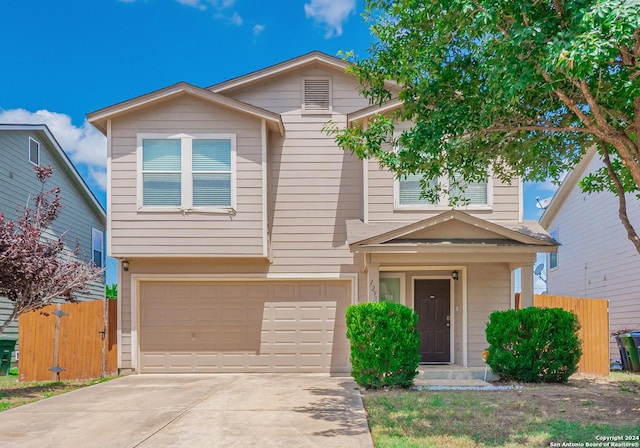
x=125 y=265
x=454 y=274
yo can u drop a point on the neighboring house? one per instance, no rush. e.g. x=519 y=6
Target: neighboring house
x=595 y=258
x=23 y=146
x=243 y=231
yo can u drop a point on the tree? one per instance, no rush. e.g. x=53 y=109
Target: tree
x=504 y=87
x=111 y=291
x=35 y=268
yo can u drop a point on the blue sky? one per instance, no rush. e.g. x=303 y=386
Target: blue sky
x=62 y=60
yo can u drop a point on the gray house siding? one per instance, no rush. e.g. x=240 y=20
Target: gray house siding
x=18 y=185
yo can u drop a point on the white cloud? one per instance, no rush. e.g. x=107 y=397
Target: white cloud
x=236 y=19
x=218 y=5
x=258 y=29
x=84 y=145
x=331 y=13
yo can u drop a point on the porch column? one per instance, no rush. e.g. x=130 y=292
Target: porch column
x=526 y=282
x=373 y=282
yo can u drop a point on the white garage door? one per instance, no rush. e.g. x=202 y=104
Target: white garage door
x=248 y=326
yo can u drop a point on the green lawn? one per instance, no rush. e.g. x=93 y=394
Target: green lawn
x=534 y=416
x=14 y=393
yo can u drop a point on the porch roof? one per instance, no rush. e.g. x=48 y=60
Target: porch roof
x=451 y=229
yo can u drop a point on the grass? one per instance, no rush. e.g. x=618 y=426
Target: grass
x=14 y=393
x=534 y=416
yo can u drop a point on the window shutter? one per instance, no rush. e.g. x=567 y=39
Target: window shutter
x=317 y=95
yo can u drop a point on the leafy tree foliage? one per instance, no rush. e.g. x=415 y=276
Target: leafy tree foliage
x=504 y=87
x=36 y=269
x=111 y=291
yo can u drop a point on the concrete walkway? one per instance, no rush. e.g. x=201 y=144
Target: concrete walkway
x=228 y=410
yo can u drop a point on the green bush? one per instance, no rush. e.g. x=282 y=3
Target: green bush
x=384 y=344
x=534 y=344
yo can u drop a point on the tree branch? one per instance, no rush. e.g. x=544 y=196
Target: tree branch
x=567 y=101
x=622 y=202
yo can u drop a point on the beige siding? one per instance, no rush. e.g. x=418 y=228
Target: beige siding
x=284 y=95
x=595 y=258
x=381 y=199
x=140 y=233
x=314 y=186
x=489 y=290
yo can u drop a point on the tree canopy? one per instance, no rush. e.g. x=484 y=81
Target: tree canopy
x=510 y=88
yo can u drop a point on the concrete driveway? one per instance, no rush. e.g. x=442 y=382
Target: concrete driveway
x=227 y=410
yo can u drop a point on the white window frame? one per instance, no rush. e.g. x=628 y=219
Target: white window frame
x=555 y=235
x=31 y=139
x=444 y=198
x=399 y=275
x=186 y=174
x=95 y=231
x=302 y=91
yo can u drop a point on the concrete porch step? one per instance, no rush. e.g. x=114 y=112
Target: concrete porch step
x=453 y=372
x=466 y=383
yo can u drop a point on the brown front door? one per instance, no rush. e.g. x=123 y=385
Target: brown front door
x=432 y=301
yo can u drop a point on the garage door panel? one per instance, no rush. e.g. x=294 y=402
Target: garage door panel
x=257 y=326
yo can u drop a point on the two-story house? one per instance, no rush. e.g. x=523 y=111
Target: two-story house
x=243 y=231
x=23 y=146
x=596 y=259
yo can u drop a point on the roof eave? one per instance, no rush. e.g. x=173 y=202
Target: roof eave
x=276 y=69
x=450 y=248
x=367 y=112
x=100 y=117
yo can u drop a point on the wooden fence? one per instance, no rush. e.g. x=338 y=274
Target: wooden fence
x=593 y=315
x=68 y=341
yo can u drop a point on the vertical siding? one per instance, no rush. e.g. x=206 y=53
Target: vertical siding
x=595 y=258
x=137 y=233
x=18 y=184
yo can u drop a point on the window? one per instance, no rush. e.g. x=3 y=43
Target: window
x=34 y=151
x=392 y=288
x=553 y=257
x=317 y=95
x=97 y=247
x=185 y=172
x=409 y=193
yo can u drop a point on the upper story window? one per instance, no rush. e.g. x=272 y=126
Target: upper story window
x=34 y=151
x=184 y=172
x=409 y=193
x=97 y=247
x=316 y=95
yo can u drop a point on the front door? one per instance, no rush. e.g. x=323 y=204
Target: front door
x=432 y=302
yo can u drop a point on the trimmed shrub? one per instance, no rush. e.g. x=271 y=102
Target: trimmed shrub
x=384 y=344
x=534 y=344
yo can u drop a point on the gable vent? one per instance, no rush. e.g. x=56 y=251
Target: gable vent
x=317 y=95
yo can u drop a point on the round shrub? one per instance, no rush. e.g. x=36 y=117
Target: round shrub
x=534 y=344
x=384 y=344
